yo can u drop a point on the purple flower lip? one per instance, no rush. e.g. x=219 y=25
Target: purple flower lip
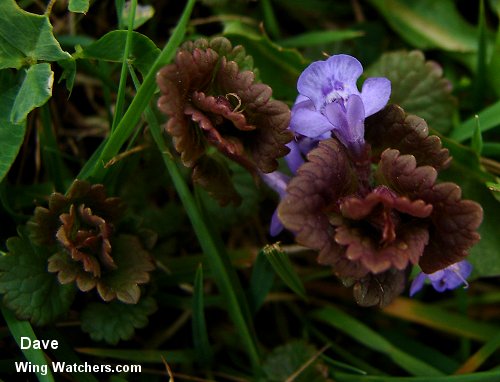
x=329 y=100
x=448 y=278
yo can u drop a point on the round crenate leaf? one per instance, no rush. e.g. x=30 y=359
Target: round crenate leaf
x=418 y=87
x=26 y=38
x=28 y=288
x=116 y=321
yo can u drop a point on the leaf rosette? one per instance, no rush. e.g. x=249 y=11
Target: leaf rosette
x=82 y=229
x=213 y=100
x=371 y=221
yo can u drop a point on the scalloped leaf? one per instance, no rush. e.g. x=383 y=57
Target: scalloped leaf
x=392 y=128
x=28 y=289
x=418 y=86
x=116 y=321
x=26 y=38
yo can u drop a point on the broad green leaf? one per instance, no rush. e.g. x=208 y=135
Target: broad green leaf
x=370 y=338
x=278 y=67
x=116 y=321
x=11 y=134
x=441 y=319
x=110 y=47
x=200 y=334
x=429 y=24
x=143 y=13
x=286 y=360
x=20 y=329
x=78 y=6
x=283 y=267
x=418 y=86
x=319 y=38
x=489 y=118
x=28 y=288
x=26 y=38
x=35 y=90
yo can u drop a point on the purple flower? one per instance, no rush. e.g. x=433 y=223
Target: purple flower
x=447 y=278
x=329 y=101
x=278 y=182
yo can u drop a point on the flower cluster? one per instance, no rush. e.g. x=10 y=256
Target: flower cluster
x=364 y=192
x=80 y=228
x=213 y=101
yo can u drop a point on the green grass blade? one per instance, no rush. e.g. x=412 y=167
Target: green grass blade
x=283 y=267
x=20 y=329
x=261 y=282
x=480 y=356
x=120 y=98
x=217 y=258
x=477 y=139
x=440 y=319
x=486 y=376
x=489 y=117
x=200 y=335
x=371 y=339
x=133 y=114
x=480 y=83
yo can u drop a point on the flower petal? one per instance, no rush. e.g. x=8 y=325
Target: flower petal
x=276 y=226
x=418 y=283
x=307 y=121
x=277 y=181
x=294 y=158
x=339 y=72
x=375 y=94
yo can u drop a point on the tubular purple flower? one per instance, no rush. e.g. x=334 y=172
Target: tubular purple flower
x=278 y=182
x=329 y=101
x=446 y=279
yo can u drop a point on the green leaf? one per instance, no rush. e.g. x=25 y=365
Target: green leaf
x=418 y=87
x=307 y=39
x=477 y=139
x=288 y=359
x=20 y=329
x=429 y=24
x=110 y=47
x=283 y=267
x=143 y=13
x=441 y=319
x=35 y=90
x=26 y=38
x=371 y=339
x=11 y=134
x=78 y=6
x=116 y=321
x=28 y=288
x=489 y=118
x=200 y=334
x=278 y=67
x=69 y=72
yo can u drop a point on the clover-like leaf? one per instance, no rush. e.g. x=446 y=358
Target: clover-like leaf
x=287 y=359
x=392 y=128
x=26 y=38
x=28 y=288
x=418 y=86
x=116 y=321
